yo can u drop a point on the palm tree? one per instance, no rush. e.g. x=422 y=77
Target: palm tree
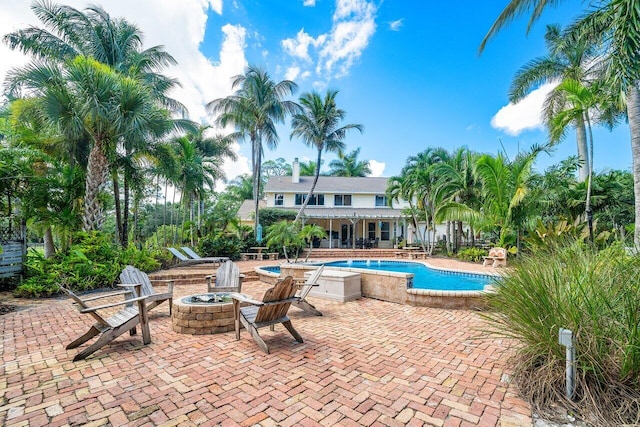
x=457 y=182
x=566 y=59
x=254 y=109
x=284 y=233
x=68 y=33
x=614 y=24
x=309 y=233
x=309 y=168
x=318 y=124
x=349 y=165
x=119 y=107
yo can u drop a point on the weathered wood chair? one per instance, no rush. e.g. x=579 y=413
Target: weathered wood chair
x=109 y=328
x=268 y=312
x=132 y=276
x=227 y=279
x=305 y=288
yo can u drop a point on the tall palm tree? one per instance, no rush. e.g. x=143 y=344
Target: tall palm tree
x=68 y=33
x=254 y=109
x=566 y=59
x=318 y=124
x=349 y=165
x=613 y=23
x=119 y=107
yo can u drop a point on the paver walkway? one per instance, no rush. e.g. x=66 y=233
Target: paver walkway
x=365 y=362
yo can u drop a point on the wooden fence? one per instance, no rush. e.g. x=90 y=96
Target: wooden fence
x=13 y=247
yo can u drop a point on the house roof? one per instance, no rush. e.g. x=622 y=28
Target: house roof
x=246 y=210
x=328 y=184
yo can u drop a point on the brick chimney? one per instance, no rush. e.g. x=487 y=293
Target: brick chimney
x=295 y=177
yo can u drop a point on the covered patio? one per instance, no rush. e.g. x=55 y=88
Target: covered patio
x=365 y=362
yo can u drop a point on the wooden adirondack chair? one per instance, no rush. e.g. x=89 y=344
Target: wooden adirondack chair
x=305 y=288
x=109 y=328
x=132 y=276
x=227 y=279
x=268 y=312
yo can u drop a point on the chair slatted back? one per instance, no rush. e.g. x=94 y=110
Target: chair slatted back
x=282 y=290
x=313 y=279
x=132 y=276
x=228 y=275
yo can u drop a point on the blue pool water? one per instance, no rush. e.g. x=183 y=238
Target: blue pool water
x=424 y=277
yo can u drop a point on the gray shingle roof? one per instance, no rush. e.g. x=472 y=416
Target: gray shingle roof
x=328 y=184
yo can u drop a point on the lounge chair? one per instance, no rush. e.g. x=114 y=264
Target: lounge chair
x=268 y=312
x=184 y=260
x=193 y=255
x=109 y=328
x=227 y=279
x=132 y=276
x=305 y=288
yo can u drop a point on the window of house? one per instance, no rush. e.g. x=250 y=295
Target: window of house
x=381 y=200
x=372 y=230
x=342 y=200
x=278 y=200
x=385 y=228
x=315 y=200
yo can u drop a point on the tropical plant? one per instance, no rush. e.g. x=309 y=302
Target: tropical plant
x=567 y=284
x=254 y=109
x=284 y=234
x=318 y=125
x=349 y=165
x=309 y=233
x=566 y=60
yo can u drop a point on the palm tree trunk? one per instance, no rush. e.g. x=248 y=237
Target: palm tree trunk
x=633 y=113
x=116 y=200
x=125 y=214
x=587 y=207
x=448 y=242
x=312 y=189
x=49 y=248
x=583 y=154
x=97 y=172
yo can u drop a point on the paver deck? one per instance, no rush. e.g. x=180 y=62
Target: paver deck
x=365 y=362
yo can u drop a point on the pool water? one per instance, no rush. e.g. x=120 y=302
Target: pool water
x=424 y=277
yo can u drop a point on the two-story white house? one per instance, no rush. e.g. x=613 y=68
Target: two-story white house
x=351 y=210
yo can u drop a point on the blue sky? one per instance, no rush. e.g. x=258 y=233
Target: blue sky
x=409 y=71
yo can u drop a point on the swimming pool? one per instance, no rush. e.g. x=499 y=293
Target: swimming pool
x=424 y=277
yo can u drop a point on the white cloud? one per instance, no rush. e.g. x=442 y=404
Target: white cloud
x=180 y=28
x=525 y=115
x=310 y=3
x=292 y=73
x=395 y=25
x=299 y=47
x=334 y=53
x=377 y=168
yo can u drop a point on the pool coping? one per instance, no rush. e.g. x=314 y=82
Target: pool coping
x=474 y=299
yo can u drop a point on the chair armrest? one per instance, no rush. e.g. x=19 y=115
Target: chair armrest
x=243 y=298
x=115 y=304
x=110 y=294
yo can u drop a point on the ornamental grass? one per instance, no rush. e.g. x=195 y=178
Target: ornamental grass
x=594 y=293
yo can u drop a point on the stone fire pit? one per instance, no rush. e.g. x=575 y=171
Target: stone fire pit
x=202 y=314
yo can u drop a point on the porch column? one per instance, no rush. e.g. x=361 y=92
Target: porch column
x=330 y=233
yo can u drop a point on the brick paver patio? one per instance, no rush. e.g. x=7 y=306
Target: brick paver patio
x=366 y=362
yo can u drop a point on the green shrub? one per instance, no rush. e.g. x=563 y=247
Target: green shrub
x=92 y=262
x=596 y=295
x=228 y=245
x=472 y=254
